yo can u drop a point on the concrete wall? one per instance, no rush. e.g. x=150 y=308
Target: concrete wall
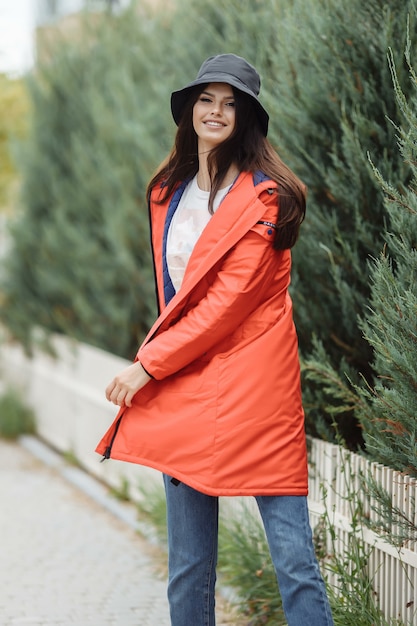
x=67 y=395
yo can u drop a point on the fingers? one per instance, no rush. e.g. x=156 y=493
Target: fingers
x=119 y=394
x=125 y=385
x=116 y=393
x=110 y=389
x=128 y=399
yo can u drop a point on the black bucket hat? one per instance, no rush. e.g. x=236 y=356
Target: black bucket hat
x=224 y=68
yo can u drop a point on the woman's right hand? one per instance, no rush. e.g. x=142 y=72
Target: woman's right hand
x=126 y=384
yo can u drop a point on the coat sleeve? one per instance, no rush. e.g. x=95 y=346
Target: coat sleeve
x=238 y=288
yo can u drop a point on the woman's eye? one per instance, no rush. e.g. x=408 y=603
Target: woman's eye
x=204 y=99
x=230 y=104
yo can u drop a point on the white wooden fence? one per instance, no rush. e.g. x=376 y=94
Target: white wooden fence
x=392 y=571
x=72 y=414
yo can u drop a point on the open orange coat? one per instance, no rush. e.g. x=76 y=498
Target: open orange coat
x=223 y=413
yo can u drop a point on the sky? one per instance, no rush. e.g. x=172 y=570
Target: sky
x=18 y=20
x=17 y=25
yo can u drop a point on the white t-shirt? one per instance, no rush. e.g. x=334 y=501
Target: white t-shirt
x=189 y=220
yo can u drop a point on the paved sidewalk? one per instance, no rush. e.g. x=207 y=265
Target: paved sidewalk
x=69 y=553
x=66 y=560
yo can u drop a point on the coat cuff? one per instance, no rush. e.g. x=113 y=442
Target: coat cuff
x=148 y=373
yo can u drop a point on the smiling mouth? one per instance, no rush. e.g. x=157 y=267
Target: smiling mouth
x=214 y=124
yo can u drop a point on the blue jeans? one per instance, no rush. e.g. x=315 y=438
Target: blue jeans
x=192 y=542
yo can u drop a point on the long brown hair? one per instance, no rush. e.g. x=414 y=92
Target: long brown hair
x=250 y=150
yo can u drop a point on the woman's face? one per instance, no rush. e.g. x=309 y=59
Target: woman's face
x=214 y=115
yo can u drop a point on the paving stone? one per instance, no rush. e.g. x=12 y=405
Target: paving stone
x=66 y=560
x=69 y=553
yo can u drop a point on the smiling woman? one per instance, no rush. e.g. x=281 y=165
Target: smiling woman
x=213 y=121
x=213 y=399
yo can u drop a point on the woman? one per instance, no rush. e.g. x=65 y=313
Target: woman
x=213 y=398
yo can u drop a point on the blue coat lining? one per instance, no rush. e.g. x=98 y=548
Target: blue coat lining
x=169 y=289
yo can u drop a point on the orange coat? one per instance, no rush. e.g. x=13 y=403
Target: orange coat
x=223 y=413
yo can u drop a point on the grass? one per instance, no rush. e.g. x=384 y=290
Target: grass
x=16 y=418
x=245 y=565
x=152 y=509
x=122 y=492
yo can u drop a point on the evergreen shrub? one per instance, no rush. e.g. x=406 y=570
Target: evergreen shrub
x=335 y=102
x=388 y=413
x=80 y=263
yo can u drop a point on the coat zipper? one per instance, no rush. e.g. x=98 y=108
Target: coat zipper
x=107 y=451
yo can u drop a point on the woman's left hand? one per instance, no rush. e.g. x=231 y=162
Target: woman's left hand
x=124 y=386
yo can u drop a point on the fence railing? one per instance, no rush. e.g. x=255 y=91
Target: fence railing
x=342 y=475
x=67 y=394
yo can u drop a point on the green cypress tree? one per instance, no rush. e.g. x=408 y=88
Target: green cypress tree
x=335 y=100
x=387 y=409
x=80 y=262
x=390 y=326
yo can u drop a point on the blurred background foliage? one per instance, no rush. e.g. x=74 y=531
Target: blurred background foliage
x=14 y=114
x=100 y=123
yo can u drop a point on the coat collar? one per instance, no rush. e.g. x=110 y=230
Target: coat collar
x=236 y=215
